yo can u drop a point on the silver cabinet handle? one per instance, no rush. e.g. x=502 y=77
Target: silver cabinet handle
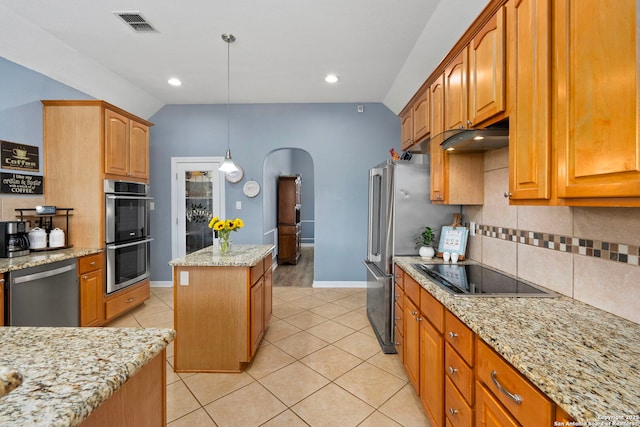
x=452 y=370
x=92 y=263
x=452 y=334
x=507 y=195
x=413 y=313
x=515 y=397
x=418 y=318
x=453 y=411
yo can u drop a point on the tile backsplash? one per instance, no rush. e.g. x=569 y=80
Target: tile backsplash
x=590 y=254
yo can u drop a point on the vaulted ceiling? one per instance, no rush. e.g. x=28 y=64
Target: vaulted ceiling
x=381 y=50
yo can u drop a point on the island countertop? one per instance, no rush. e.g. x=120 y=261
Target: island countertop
x=69 y=372
x=239 y=256
x=581 y=357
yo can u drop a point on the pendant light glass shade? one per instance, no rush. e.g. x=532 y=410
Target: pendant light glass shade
x=228 y=165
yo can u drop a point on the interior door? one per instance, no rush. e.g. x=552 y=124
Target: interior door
x=198 y=196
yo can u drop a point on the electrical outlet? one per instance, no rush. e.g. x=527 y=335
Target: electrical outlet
x=472 y=228
x=184 y=278
x=360 y=108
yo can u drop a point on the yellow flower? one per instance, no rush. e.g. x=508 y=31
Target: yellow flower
x=213 y=221
x=229 y=224
x=239 y=223
x=218 y=225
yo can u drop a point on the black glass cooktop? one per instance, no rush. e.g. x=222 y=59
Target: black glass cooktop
x=480 y=281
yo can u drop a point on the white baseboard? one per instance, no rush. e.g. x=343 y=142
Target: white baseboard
x=328 y=284
x=161 y=284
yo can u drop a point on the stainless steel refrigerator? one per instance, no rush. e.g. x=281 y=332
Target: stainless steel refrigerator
x=399 y=209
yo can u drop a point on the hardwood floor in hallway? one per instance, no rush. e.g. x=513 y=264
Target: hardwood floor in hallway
x=300 y=275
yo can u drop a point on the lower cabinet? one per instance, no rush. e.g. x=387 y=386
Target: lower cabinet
x=127 y=299
x=257 y=314
x=91 y=275
x=460 y=380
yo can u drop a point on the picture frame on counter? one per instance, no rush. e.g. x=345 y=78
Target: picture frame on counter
x=453 y=240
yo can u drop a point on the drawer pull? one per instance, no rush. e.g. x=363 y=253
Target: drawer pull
x=516 y=397
x=418 y=318
x=397 y=318
x=452 y=370
x=413 y=313
x=128 y=300
x=85 y=277
x=452 y=334
x=453 y=411
x=92 y=263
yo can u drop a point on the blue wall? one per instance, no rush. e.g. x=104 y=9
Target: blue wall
x=343 y=144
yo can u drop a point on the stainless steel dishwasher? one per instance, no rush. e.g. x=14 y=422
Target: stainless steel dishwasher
x=45 y=295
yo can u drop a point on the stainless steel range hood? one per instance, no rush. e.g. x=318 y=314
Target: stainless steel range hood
x=468 y=140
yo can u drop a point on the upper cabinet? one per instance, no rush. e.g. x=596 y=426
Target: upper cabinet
x=126 y=146
x=406 y=128
x=487 y=92
x=529 y=52
x=421 y=119
x=597 y=120
x=455 y=92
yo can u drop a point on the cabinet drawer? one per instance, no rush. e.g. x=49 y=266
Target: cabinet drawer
x=432 y=309
x=399 y=276
x=127 y=300
x=459 y=373
x=267 y=262
x=412 y=289
x=457 y=411
x=459 y=336
x=501 y=378
x=256 y=272
x=90 y=263
x=399 y=297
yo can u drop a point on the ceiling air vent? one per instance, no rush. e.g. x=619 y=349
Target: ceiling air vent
x=136 y=21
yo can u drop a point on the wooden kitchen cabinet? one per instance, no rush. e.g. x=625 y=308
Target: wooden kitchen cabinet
x=455 y=92
x=412 y=342
x=221 y=315
x=406 y=128
x=126 y=146
x=597 y=115
x=529 y=47
x=436 y=153
x=432 y=372
x=91 y=275
x=398 y=305
x=487 y=79
x=126 y=299
x=289 y=220
x=75 y=151
x=421 y=115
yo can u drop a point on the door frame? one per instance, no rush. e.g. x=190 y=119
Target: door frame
x=174 y=194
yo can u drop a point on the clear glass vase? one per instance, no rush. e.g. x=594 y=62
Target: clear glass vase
x=225 y=244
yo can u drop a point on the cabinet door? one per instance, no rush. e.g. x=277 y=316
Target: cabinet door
x=406 y=129
x=486 y=71
x=116 y=144
x=91 y=298
x=597 y=115
x=257 y=315
x=455 y=94
x=432 y=372
x=412 y=343
x=489 y=413
x=436 y=97
x=421 y=116
x=138 y=150
x=530 y=103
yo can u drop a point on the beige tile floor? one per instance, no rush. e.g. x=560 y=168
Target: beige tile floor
x=319 y=365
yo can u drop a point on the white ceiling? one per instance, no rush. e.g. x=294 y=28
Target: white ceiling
x=382 y=50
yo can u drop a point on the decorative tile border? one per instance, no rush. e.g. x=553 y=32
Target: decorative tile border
x=617 y=252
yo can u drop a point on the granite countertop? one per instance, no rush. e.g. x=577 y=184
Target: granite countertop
x=69 y=372
x=239 y=256
x=44 y=257
x=584 y=359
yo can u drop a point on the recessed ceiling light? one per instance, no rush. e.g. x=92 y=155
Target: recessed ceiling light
x=173 y=81
x=331 y=78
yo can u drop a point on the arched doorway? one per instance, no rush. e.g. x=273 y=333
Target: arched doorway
x=290 y=161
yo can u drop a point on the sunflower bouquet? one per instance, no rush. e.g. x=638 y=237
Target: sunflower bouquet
x=223 y=229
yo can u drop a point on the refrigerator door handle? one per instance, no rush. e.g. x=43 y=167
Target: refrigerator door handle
x=375 y=271
x=374 y=217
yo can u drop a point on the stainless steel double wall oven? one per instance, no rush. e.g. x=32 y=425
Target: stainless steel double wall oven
x=127 y=237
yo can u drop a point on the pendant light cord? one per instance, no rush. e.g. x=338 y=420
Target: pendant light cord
x=228 y=90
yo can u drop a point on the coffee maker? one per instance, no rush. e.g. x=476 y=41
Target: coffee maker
x=14 y=240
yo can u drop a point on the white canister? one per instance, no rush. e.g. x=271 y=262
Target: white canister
x=56 y=238
x=37 y=238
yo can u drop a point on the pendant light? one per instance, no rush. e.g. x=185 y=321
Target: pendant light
x=228 y=165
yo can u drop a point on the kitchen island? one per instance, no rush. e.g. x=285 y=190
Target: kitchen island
x=90 y=375
x=222 y=307
x=582 y=358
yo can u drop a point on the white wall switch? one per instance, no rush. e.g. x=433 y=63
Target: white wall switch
x=152 y=206
x=184 y=278
x=472 y=228
x=238 y=204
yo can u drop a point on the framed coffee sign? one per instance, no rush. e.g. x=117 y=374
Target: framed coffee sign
x=19 y=184
x=19 y=156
